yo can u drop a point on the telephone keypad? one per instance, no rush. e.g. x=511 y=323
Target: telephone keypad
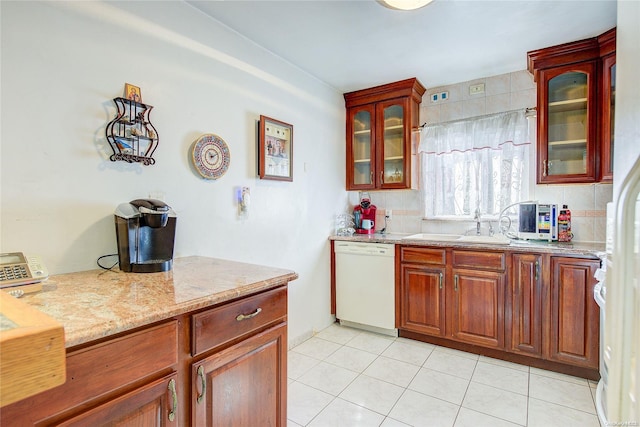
x=13 y=272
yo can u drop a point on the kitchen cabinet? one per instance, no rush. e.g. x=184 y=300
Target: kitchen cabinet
x=244 y=384
x=382 y=135
x=422 y=290
x=154 y=404
x=525 y=300
x=571 y=117
x=221 y=365
x=573 y=337
x=607 y=43
x=124 y=380
x=469 y=298
x=478 y=297
x=532 y=308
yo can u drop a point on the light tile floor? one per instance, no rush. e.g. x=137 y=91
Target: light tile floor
x=348 y=377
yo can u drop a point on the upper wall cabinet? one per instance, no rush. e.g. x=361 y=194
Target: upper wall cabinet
x=382 y=134
x=576 y=90
x=607 y=42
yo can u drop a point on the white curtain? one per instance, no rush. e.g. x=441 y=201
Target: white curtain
x=475 y=163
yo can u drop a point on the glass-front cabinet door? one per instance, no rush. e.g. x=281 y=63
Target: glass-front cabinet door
x=381 y=121
x=393 y=149
x=608 y=115
x=361 y=156
x=567 y=112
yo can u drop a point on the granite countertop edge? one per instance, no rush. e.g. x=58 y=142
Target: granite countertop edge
x=592 y=249
x=96 y=304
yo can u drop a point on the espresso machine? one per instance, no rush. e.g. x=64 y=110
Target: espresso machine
x=364 y=216
x=145 y=233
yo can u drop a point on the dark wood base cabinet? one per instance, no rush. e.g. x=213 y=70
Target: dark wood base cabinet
x=422 y=291
x=525 y=305
x=575 y=319
x=224 y=365
x=249 y=372
x=530 y=308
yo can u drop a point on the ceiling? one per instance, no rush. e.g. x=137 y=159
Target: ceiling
x=355 y=44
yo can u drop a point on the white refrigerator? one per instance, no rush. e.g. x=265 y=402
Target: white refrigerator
x=619 y=389
x=622 y=313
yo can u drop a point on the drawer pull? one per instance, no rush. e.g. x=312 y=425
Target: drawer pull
x=203 y=381
x=174 y=400
x=242 y=317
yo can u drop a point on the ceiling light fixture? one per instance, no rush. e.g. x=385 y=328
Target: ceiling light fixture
x=405 y=4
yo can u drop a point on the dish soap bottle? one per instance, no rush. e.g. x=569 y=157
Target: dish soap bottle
x=564 y=225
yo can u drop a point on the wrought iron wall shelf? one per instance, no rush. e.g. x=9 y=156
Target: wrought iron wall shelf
x=131 y=135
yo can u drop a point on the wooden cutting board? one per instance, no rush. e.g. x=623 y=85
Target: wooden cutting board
x=32 y=350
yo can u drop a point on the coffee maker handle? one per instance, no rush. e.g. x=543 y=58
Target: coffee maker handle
x=151 y=204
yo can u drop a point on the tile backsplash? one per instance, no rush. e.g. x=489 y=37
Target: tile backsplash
x=504 y=92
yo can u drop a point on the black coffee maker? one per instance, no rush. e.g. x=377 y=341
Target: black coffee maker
x=145 y=232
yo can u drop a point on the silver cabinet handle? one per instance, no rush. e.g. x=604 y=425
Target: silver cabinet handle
x=174 y=400
x=544 y=168
x=242 y=317
x=455 y=283
x=537 y=272
x=371 y=178
x=440 y=280
x=381 y=177
x=203 y=382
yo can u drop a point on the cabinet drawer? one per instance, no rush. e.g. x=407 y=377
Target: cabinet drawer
x=105 y=367
x=423 y=255
x=223 y=324
x=479 y=260
x=98 y=370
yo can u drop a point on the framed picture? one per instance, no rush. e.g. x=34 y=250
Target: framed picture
x=275 y=150
x=132 y=92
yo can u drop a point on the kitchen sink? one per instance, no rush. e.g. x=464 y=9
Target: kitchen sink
x=434 y=237
x=497 y=239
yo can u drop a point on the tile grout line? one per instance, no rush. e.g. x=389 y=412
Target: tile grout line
x=405 y=389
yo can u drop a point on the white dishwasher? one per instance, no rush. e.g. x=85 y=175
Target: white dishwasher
x=365 y=286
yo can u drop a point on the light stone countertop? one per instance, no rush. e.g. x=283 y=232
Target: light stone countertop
x=98 y=303
x=556 y=248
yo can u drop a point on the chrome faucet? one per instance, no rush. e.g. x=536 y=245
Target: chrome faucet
x=477 y=219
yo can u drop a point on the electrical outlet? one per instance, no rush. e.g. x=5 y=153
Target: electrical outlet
x=440 y=96
x=476 y=89
x=388 y=213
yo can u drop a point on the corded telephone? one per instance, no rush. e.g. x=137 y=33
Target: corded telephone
x=17 y=268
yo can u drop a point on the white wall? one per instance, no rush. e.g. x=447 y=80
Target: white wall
x=64 y=62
